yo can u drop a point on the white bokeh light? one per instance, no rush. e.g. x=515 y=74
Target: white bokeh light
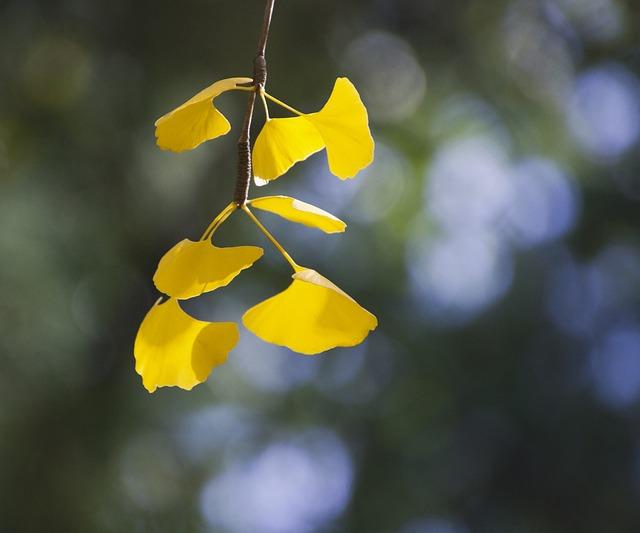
x=468 y=184
x=457 y=275
x=387 y=72
x=292 y=486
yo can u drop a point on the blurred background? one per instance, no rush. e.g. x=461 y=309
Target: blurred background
x=496 y=237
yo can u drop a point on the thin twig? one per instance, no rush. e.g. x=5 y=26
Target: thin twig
x=273 y=240
x=262 y=43
x=245 y=172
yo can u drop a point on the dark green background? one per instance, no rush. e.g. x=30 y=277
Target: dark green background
x=495 y=237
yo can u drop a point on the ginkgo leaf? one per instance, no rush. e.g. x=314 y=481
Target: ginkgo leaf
x=310 y=316
x=300 y=212
x=344 y=126
x=192 y=268
x=281 y=144
x=173 y=349
x=197 y=120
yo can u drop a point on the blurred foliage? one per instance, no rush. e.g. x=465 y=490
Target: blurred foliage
x=496 y=238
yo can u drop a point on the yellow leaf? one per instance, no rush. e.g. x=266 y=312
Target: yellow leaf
x=192 y=268
x=310 y=316
x=195 y=121
x=300 y=212
x=344 y=127
x=281 y=144
x=173 y=349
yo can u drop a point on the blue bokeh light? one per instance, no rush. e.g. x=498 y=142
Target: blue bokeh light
x=544 y=205
x=604 y=111
x=615 y=365
x=293 y=485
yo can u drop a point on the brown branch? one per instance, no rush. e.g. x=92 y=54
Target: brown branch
x=268 y=12
x=245 y=170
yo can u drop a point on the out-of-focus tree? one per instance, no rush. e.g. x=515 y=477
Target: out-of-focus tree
x=495 y=236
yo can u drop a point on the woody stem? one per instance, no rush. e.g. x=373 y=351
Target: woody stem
x=245 y=172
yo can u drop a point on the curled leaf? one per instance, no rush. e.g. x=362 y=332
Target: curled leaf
x=197 y=120
x=300 y=212
x=173 y=349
